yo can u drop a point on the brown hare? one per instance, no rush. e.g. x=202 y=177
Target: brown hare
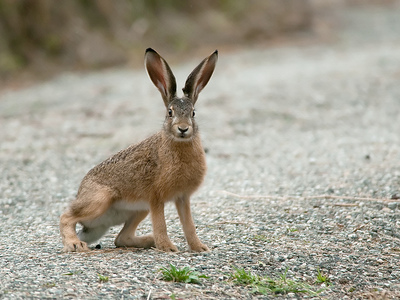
x=168 y=166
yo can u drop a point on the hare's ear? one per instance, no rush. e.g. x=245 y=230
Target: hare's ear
x=200 y=76
x=160 y=74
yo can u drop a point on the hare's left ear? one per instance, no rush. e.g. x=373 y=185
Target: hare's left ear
x=161 y=75
x=200 y=76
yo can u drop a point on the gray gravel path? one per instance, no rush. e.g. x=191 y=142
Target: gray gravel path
x=293 y=123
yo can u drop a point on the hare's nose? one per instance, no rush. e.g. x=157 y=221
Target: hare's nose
x=183 y=130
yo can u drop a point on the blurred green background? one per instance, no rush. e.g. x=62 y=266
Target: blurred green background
x=86 y=33
x=42 y=37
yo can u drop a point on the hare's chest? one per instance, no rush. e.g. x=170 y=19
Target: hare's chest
x=184 y=175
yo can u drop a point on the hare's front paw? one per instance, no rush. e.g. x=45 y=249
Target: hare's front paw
x=167 y=247
x=75 y=246
x=199 y=248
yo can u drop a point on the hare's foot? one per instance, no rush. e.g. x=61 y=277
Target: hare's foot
x=75 y=246
x=144 y=241
x=199 y=247
x=166 y=246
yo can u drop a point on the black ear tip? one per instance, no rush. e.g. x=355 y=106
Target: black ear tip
x=150 y=50
x=216 y=52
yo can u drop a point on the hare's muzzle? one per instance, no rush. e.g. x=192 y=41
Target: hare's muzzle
x=183 y=131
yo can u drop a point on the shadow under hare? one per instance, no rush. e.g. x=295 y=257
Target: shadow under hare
x=168 y=166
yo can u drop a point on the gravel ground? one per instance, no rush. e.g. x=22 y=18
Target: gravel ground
x=282 y=128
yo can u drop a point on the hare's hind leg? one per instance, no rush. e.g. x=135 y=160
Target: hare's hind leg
x=82 y=209
x=127 y=237
x=70 y=240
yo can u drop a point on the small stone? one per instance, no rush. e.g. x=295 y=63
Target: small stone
x=343 y=280
x=281 y=258
x=353 y=236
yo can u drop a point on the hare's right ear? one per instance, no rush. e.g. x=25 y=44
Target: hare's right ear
x=160 y=74
x=200 y=76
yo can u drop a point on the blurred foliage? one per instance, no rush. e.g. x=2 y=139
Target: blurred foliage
x=98 y=33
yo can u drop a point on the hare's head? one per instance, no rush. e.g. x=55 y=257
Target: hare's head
x=180 y=113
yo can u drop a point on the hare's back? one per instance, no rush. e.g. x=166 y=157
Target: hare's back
x=130 y=169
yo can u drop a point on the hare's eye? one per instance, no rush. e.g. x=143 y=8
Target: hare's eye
x=170 y=112
x=193 y=113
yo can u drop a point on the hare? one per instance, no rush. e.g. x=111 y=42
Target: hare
x=168 y=166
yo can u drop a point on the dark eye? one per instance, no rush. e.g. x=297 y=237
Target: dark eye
x=170 y=112
x=193 y=113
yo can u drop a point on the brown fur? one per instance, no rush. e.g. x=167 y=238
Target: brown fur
x=168 y=166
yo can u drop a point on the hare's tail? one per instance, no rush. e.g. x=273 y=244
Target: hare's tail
x=91 y=235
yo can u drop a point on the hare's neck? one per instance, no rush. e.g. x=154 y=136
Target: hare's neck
x=185 y=150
